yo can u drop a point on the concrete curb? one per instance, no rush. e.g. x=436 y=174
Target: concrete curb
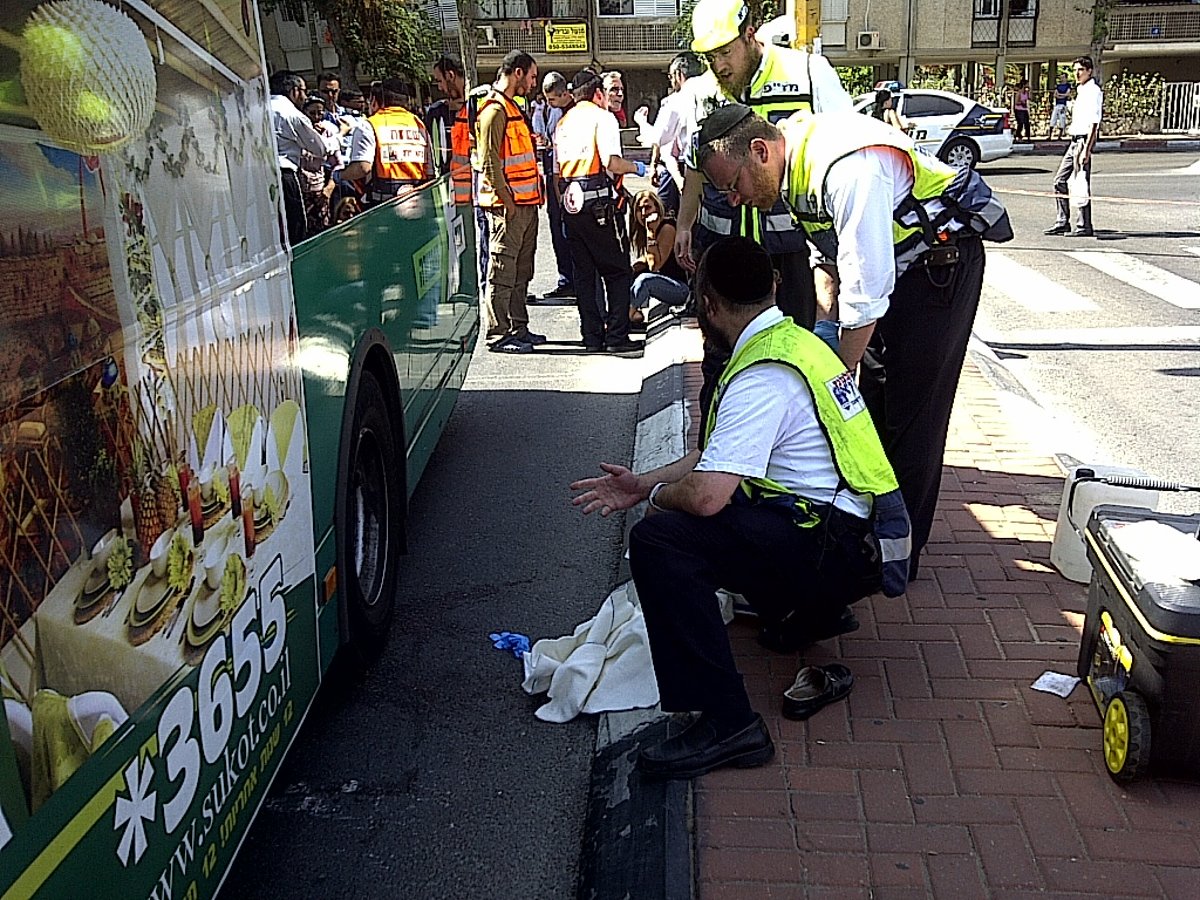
x=1158 y=145
x=638 y=833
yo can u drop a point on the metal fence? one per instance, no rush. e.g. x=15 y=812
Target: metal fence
x=1181 y=106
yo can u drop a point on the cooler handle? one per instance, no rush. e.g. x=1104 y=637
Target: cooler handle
x=1128 y=481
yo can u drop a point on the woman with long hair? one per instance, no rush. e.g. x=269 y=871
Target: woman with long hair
x=657 y=274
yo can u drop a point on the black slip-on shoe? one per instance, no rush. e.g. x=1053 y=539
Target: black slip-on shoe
x=562 y=292
x=1058 y=228
x=1082 y=232
x=511 y=344
x=815 y=688
x=698 y=750
x=627 y=349
x=531 y=337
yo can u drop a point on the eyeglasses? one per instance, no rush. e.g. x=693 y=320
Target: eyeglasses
x=733 y=184
x=333 y=92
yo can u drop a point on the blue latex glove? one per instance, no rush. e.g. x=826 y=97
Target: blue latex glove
x=828 y=332
x=641 y=167
x=516 y=644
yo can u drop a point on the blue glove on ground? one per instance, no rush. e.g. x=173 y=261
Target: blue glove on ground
x=516 y=644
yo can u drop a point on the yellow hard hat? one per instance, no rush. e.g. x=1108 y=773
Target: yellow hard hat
x=717 y=22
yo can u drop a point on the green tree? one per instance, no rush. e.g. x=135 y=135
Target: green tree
x=856 y=79
x=374 y=38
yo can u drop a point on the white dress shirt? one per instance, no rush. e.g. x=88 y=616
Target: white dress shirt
x=767 y=426
x=1088 y=108
x=294 y=133
x=862 y=192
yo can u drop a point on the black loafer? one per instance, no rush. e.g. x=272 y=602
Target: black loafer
x=788 y=637
x=815 y=688
x=1057 y=229
x=1082 y=232
x=697 y=750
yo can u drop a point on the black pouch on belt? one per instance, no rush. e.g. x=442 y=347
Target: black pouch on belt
x=602 y=211
x=940 y=255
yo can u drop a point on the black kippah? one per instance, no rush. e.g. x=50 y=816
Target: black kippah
x=739 y=270
x=721 y=121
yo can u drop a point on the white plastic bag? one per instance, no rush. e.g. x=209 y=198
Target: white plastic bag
x=1077 y=189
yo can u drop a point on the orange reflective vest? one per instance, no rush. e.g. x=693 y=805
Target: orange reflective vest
x=517 y=157
x=401 y=150
x=460 y=156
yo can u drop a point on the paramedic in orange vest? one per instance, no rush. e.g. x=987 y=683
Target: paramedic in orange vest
x=587 y=148
x=510 y=192
x=391 y=148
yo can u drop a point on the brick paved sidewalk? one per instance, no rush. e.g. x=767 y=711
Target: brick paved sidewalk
x=945 y=775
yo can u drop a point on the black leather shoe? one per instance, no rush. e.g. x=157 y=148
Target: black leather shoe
x=562 y=292
x=1082 y=232
x=1058 y=228
x=815 y=688
x=789 y=636
x=698 y=750
x=627 y=348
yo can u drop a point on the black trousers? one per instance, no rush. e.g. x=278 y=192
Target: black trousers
x=796 y=296
x=679 y=561
x=596 y=249
x=910 y=373
x=293 y=207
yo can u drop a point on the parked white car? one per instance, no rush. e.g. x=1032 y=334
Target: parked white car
x=949 y=126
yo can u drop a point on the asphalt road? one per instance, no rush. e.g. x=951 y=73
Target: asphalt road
x=1104 y=332
x=430 y=777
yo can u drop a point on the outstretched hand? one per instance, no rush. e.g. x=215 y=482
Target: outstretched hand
x=612 y=492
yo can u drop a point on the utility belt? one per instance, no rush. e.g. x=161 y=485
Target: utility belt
x=379 y=189
x=591 y=192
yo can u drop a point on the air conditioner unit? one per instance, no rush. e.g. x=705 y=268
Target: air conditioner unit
x=868 y=40
x=486 y=36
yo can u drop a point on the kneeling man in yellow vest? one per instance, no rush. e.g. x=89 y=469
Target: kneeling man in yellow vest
x=783 y=506
x=902 y=232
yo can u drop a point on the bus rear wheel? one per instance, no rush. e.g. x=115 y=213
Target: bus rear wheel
x=373 y=521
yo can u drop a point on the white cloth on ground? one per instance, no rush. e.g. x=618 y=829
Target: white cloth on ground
x=603 y=666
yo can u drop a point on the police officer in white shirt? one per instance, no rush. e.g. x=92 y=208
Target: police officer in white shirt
x=668 y=135
x=294 y=134
x=1084 y=130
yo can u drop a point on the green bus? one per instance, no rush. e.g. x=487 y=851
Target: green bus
x=207 y=441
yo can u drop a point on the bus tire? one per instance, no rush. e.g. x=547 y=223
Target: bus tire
x=372 y=538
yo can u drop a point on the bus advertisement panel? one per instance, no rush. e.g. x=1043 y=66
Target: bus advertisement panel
x=158 y=640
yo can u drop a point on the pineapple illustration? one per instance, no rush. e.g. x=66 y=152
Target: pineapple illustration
x=148 y=520
x=167 y=497
x=147 y=517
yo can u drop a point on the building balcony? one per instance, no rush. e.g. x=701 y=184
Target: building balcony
x=637 y=35
x=504 y=10
x=1155 y=24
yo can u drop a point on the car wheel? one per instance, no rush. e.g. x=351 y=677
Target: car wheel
x=960 y=153
x=373 y=521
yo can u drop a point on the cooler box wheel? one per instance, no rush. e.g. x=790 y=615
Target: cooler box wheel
x=1126 y=736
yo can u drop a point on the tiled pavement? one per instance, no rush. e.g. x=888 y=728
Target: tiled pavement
x=945 y=775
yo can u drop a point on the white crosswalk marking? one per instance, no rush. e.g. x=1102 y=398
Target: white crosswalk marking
x=1164 y=285
x=1195 y=250
x=1031 y=288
